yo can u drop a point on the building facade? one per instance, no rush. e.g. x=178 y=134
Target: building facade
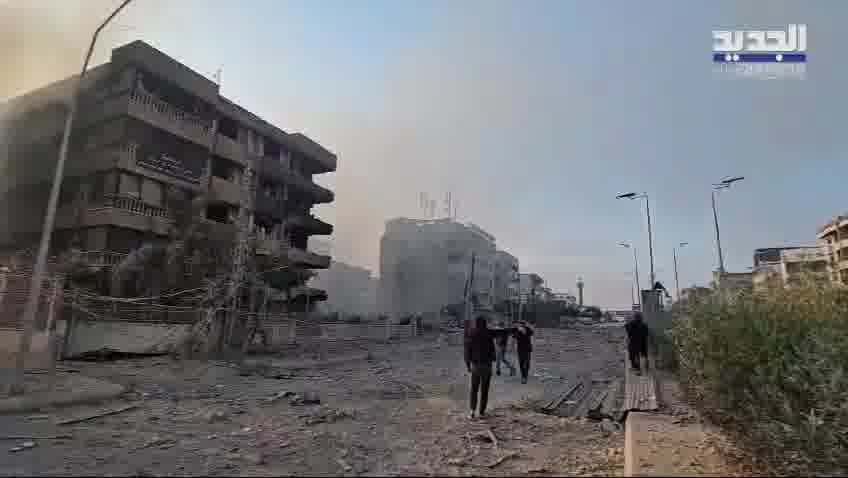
x=425 y=264
x=149 y=129
x=351 y=290
x=835 y=235
x=506 y=282
x=532 y=288
x=789 y=266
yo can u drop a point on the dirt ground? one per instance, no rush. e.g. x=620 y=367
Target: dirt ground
x=400 y=411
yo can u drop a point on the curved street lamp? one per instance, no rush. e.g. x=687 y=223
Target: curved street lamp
x=650 y=233
x=40 y=266
x=723 y=184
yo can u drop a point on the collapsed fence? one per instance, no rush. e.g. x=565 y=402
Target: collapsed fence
x=83 y=322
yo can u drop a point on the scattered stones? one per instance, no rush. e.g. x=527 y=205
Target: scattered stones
x=307 y=398
x=216 y=416
x=280 y=395
x=254 y=458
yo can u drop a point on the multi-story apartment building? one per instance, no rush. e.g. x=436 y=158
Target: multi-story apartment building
x=788 y=266
x=506 y=284
x=424 y=265
x=835 y=234
x=149 y=127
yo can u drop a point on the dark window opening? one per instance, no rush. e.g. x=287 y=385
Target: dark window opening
x=218 y=213
x=123 y=240
x=224 y=169
x=299 y=241
x=272 y=149
x=229 y=128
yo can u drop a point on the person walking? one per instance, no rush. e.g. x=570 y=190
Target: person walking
x=479 y=355
x=637 y=341
x=524 y=346
x=502 y=350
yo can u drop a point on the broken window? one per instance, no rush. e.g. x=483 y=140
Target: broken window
x=225 y=169
x=229 y=128
x=219 y=212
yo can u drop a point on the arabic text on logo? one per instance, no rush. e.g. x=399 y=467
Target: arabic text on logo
x=761 y=46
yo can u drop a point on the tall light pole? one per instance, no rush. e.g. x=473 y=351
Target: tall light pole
x=724 y=184
x=635 y=270
x=676 y=276
x=37 y=279
x=650 y=233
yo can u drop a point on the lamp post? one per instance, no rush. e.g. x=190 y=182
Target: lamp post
x=650 y=233
x=40 y=267
x=676 y=276
x=724 y=184
x=635 y=270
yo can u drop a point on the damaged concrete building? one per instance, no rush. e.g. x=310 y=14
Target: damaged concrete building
x=148 y=126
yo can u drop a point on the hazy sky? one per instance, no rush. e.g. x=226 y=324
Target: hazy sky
x=534 y=113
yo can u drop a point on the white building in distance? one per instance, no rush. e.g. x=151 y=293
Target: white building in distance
x=424 y=266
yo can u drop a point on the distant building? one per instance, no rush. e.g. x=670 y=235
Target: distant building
x=424 y=266
x=532 y=288
x=351 y=290
x=835 y=235
x=506 y=283
x=787 y=266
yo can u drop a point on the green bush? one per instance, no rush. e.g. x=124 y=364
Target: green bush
x=772 y=367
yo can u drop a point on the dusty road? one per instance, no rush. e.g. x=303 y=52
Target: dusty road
x=401 y=412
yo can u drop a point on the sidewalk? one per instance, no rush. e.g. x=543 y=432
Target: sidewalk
x=70 y=389
x=675 y=441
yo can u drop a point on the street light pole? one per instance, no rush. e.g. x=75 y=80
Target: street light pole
x=650 y=232
x=724 y=184
x=717 y=235
x=635 y=270
x=40 y=267
x=676 y=276
x=650 y=240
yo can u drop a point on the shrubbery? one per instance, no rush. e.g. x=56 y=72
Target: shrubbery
x=773 y=368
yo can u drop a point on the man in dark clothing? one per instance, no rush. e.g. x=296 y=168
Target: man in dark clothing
x=524 y=346
x=479 y=355
x=637 y=341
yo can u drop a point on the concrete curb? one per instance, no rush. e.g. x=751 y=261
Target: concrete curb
x=631 y=430
x=34 y=401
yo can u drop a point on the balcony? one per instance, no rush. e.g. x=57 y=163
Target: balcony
x=266 y=206
x=276 y=170
x=311 y=224
x=326 y=160
x=222 y=190
x=308 y=259
x=166 y=170
x=231 y=149
x=170 y=118
x=119 y=211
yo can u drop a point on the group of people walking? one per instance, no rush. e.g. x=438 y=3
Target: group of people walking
x=484 y=346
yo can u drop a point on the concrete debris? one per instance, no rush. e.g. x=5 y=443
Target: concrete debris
x=307 y=398
x=216 y=416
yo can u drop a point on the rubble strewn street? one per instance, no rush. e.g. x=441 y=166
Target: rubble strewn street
x=397 y=409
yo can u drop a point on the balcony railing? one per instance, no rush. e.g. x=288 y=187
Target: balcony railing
x=132 y=204
x=274 y=168
x=165 y=114
x=312 y=223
